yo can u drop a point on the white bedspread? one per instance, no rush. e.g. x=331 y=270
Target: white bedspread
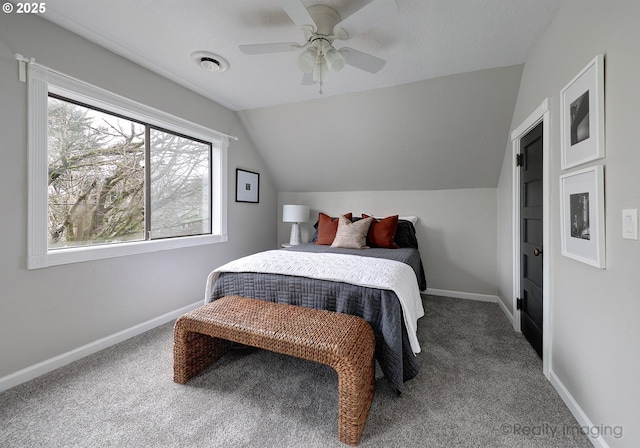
x=361 y=271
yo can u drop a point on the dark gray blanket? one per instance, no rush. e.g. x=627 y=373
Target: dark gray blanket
x=381 y=308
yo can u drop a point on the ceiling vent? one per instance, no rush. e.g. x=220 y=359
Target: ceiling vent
x=210 y=62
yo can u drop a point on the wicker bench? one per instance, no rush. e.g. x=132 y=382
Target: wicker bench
x=342 y=341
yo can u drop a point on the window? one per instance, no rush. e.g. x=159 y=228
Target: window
x=111 y=177
x=99 y=165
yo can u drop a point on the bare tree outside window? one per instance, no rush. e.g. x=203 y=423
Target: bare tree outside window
x=97 y=178
x=180 y=193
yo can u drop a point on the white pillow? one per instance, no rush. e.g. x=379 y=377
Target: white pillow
x=413 y=219
x=352 y=235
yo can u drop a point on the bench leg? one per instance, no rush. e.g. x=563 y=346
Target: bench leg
x=193 y=352
x=355 y=394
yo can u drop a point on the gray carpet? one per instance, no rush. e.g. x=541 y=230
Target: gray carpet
x=481 y=385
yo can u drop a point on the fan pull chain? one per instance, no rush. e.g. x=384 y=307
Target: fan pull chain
x=321 y=92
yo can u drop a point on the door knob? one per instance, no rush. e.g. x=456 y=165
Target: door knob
x=537 y=251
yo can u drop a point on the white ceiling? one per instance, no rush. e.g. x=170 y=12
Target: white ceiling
x=427 y=39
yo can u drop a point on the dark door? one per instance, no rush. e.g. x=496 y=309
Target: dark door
x=530 y=303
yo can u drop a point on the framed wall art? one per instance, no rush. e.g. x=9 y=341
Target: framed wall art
x=582 y=116
x=247 y=186
x=582 y=215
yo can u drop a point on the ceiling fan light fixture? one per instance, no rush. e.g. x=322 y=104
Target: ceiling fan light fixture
x=322 y=25
x=320 y=70
x=335 y=59
x=307 y=60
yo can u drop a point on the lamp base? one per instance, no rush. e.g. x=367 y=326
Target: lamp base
x=295 y=237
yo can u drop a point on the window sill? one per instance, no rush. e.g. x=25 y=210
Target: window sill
x=89 y=253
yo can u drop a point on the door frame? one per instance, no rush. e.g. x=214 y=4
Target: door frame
x=541 y=114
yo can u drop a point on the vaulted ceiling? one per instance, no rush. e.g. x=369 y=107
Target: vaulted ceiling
x=436 y=116
x=443 y=133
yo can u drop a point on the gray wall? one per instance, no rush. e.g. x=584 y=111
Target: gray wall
x=595 y=337
x=436 y=134
x=48 y=312
x=430 y=148
x=456 y=229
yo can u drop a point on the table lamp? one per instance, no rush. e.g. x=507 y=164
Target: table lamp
x=295 y=214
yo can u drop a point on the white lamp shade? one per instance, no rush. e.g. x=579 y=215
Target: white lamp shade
x=307 y=60
x=295 y=213
x=335 y=59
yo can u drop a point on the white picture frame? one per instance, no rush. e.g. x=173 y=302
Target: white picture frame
x=582 y=215
x=582 y=116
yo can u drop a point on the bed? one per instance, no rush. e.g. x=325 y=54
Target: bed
x=312 y=275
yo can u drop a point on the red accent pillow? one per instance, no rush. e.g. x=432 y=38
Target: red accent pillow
x=327 y=228
x=382 y=231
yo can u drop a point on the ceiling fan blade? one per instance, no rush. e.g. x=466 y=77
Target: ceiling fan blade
x=367 y=17
x=361 y=60
x=269 y=48
x=307 y=79
x=298 y=13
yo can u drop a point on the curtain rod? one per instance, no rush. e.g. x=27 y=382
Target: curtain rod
x=23 y=77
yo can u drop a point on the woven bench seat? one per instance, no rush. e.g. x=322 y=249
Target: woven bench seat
x=342 y=341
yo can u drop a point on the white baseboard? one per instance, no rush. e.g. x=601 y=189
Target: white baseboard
x=56 y=362
x=507 y=312
x=592 y=431
x=463 y=295
x=474 y=296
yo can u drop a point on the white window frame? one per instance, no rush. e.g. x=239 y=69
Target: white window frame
x=41 y=81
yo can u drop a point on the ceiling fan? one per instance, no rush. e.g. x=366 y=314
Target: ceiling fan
x=322 y=26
